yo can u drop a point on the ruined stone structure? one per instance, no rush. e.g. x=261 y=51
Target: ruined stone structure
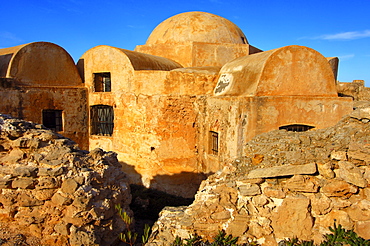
x=288 y=184
x=52 y=193
x=185 y=102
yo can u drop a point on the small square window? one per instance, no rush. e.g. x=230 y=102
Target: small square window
x=102 y=82
x=213 y=143
x=53 y=119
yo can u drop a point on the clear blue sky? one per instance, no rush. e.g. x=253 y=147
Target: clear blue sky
x=333 y=27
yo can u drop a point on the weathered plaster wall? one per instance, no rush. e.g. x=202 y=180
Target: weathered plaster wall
x=288 y=71
x=154 y=118
x=247 y=117
x=155 y=138
x=27 y=103
x=197 y=54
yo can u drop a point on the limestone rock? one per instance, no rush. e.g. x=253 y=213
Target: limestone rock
x=285 y=170
x=339 y=188
x=50 y=189
x=292 y=218
x=351 y=174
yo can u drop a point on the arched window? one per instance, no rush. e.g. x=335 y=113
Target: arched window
x=296 y=128
x=102 y=117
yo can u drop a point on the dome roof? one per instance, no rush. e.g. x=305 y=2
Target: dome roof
x=197 y=27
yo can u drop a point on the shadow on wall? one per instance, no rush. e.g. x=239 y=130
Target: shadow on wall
x=184 y=184
x=133 y=176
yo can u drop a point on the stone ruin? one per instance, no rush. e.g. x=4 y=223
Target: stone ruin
x=55 y=194
x=290 y=184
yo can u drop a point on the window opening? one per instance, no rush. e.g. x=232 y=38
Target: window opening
x=102 y=82
x=213 y=143
x=296 y=128
x=53 y=119
x=102 y=117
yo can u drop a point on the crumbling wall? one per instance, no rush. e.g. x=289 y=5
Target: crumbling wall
x=288 y=184
x=54 y=192
x=355 y=89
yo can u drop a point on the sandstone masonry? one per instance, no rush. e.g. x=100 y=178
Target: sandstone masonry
x=51 y=190
x=287 y=185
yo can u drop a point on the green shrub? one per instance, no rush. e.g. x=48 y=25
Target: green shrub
x=338 y=237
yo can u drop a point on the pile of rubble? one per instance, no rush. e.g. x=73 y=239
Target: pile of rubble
x=289 y=184
x=55 y=193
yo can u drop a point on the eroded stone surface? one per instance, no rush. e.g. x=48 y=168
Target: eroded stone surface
x=52 y=191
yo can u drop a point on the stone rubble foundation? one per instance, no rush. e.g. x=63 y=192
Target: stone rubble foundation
x=51 y=190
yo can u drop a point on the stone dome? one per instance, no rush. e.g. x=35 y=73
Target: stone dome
x=197 y=27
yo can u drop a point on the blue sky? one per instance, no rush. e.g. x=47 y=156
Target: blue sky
x=332 y=27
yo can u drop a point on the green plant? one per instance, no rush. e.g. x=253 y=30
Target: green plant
x=338 y=237
x=341 y=236
x=129 y=237
x=223 y=240
x=146 y=234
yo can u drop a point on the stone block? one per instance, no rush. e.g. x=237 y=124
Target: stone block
x=69 y=186
x=25 y=171
x=61 y=200
x=285 y=170
x=23 y=183
x=274 y=192
x=300 y=183
x=47 y=183
x=13 y=156
x=339 y=188
x=249 y=190
x=362 y=228
x=359 y=211
x=26 y=200
x=338 y=155
x=326 y=170
x=350 y=173
x=293 y=218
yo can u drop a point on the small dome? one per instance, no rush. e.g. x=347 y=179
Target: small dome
x=197 y=27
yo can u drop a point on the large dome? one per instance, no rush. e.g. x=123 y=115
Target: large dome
x=197 y=27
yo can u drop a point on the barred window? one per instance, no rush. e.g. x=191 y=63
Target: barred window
x=53 y=119
x=102 y=82
x=213 y=143
x=102 y=117
x=296 y=128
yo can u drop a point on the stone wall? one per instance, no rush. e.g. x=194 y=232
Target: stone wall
x=355 y=89
x=54 y=192
x=287 y=185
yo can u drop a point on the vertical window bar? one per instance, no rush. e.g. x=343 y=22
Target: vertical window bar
x=102 y=117
x=214 y=143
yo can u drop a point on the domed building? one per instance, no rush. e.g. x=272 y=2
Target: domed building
x=198 y=39
x=181 y=106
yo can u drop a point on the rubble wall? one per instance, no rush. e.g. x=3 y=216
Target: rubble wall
x=55 y=193
x=288 y=184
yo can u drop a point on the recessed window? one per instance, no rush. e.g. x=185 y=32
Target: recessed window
x=296 y=128
x=102 y=82
x=213 y=143
x=102 y=117
x=53 y=119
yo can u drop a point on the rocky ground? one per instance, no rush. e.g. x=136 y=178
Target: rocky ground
x=52 y=193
